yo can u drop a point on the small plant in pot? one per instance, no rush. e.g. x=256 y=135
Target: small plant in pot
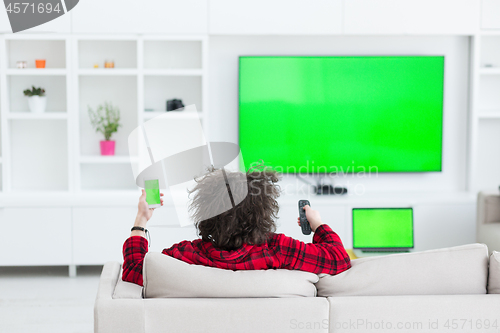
x=37 y=101
x=106 y=119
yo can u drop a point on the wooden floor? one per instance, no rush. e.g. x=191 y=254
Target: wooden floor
x=34 y=299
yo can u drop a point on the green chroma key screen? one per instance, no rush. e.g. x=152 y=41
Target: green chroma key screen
x=333 y=114
x=152 y=188
x=374 y=228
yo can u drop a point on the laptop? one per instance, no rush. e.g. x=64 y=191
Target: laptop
x=377 y=231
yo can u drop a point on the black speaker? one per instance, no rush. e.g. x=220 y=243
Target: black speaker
x=174 y=104
x=329 y=189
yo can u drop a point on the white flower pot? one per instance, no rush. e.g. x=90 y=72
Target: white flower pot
x=37 y=104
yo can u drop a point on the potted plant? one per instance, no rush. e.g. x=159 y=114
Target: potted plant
x=37 y=101
x=106 y=119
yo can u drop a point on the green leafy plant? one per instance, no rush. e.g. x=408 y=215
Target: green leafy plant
x=34 y=92
x=105 y=119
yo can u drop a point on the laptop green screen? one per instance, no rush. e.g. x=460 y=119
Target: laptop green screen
x=382 y=228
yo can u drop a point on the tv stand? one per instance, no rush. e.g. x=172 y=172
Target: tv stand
x=329 y=189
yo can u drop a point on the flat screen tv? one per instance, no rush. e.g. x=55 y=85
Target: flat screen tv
x=337 y=114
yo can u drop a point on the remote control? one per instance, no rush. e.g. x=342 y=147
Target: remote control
x=304 y=223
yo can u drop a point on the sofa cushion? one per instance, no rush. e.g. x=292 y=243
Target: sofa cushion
x=236 y=315
x=494 y=274
x=165 y=276
x=455 y=270
x=126 y=290
x=414 y=314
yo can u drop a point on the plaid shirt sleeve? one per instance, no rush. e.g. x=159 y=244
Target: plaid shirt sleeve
x=134 y=251
x=325 y=255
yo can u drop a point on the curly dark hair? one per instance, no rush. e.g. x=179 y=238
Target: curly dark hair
x=250 y=221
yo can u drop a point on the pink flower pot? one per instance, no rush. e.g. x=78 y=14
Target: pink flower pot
x=107 y=147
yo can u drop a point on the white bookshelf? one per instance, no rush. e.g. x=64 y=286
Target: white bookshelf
x=484 y=141
x=36 y=148
x=65 y=156
x=148 y=71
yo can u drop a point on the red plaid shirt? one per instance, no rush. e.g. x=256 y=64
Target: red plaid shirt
x=326 y=254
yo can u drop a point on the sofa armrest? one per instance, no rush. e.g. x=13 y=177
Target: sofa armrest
x=116 y=315
x=107 y=282
x=488 y=208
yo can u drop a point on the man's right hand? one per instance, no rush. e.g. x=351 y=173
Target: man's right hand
x=313 y=217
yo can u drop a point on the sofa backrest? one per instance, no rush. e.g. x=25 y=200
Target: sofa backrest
x=165 y=276
x=455 y=270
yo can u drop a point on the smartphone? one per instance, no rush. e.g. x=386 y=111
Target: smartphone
x=152 y=187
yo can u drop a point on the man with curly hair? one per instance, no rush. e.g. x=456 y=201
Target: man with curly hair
x=241 y=238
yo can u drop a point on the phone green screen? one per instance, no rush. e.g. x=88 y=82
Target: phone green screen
x=152 y=188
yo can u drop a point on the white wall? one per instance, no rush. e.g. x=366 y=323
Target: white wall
x=229 y=17
x=223 y=85
x=297 y=17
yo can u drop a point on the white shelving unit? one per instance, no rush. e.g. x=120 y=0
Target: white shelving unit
x=66 y=158
x=484 y=143
x=52 y=176
x=36 y=148
x=148 y=71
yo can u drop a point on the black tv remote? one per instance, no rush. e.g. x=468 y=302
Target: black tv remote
x=304 y=223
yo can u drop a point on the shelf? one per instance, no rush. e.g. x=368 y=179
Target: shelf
x=108 y=71
x=173 y=114
x=99 y=159
x=489 y=115
x=36 y=71
x=29 y=115
x=173 y=72
x=133 y=71
x=490 y=32
x=490 y=71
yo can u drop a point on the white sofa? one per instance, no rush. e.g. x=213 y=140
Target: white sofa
x=433 y=291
